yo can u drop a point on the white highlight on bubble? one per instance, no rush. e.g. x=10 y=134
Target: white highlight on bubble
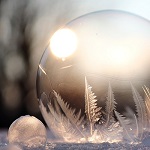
x=63 y=43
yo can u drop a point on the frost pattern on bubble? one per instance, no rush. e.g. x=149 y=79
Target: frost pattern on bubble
x=27 y=131
x=99 y=126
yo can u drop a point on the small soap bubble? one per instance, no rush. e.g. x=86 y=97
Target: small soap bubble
x=27 y=131
x=11 y=147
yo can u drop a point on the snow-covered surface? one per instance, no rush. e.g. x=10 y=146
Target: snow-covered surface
x=75 y=146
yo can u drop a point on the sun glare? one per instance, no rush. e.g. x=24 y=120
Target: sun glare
x=63 y=43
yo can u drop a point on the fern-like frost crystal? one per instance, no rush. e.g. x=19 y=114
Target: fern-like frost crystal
x=92 y=111
x=95 y=126
x=110 y=106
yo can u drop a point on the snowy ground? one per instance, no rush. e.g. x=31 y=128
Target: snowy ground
x=90 y=146
x=86 y=146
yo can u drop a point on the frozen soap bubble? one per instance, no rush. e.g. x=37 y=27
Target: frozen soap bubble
x=95 y=68
x=11 y=147
x=27 y=131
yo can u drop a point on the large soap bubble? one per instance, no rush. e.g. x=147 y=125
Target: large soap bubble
x=96 y=67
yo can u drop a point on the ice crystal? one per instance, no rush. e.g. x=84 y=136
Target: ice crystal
x=70 y=125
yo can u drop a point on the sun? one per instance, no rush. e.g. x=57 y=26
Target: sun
x=63 y=43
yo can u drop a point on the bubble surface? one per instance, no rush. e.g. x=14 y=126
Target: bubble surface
x=82 y=94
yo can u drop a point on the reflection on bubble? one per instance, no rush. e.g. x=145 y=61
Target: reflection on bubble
x=63 y=43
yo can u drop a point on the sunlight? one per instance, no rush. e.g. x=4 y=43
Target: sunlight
x=63 y=43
